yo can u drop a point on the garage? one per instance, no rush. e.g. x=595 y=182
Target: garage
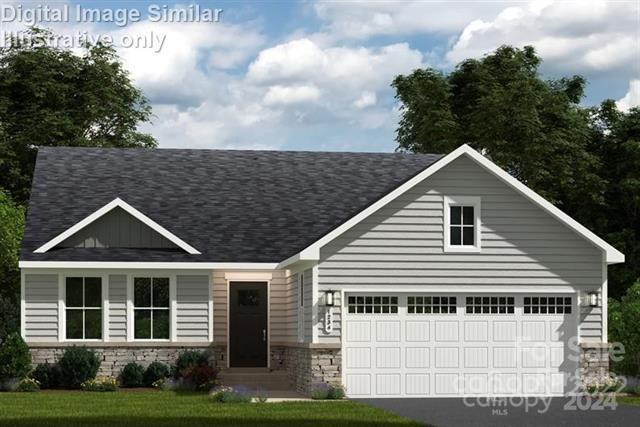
x=445 y=345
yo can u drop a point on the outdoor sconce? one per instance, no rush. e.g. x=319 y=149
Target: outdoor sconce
x=328 y=299
x=328 y=316
x=593 y=299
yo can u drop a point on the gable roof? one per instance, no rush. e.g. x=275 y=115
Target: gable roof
x=312 y=252
x=232 y=206
x=117 y=203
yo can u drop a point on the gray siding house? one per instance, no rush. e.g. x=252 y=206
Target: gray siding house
x=396 y=275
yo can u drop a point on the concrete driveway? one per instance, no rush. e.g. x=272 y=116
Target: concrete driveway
x=512 y=412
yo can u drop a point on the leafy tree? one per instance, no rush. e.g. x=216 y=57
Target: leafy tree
x=623 y=328
x=51 y=96
x=11 y=230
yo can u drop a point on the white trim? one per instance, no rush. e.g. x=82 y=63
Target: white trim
x=228 y=331
x=173 y=307
x=314 y=303
x=245 y=277
x=300 y=305
x=474 y=201
x=62 y=309
x=312 y=252
x=129 y=307
x=105 y=307
x=604 y=292
x=117 y=202
x=458 y=289
x=210 y=306
x=23 y=305
x=151 y=265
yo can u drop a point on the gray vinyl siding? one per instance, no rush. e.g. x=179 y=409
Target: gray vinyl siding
x=192 y=308
x=308 y=305
x=334 y=335
x=117 y=229
x=590 y=320
x=118 y=307
x=41 y=307
x=403 y=242
x=291 y=283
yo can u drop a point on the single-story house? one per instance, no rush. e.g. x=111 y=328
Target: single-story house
x=394 y=274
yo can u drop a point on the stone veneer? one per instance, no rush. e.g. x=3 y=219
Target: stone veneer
x=594 y=361
x=308 y=366
x=114 y=356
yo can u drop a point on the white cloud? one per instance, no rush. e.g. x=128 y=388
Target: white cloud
x=594 y=36
x=367 y=99
x=291 y=94
x=632 y=98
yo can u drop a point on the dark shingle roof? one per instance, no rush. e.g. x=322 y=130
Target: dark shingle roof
x=233 y=206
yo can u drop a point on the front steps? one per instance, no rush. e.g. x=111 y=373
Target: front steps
x=255 y=379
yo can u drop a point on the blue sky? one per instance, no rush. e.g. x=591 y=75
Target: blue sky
x=315 y=75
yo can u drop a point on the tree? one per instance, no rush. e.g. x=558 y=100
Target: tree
x=11 y=231
x=623 y=328
x=53 y=97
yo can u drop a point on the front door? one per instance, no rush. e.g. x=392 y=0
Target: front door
x=248 y=324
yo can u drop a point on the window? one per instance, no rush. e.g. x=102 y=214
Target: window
x=431 y=305
x=83 y=299
x=151 y=307
x=547 y=305
x=490 y=305
x=462 y=224
x=372 y=304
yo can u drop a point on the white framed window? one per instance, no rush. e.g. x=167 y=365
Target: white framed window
x=376 y=304
x=83 y=308
x=462 y=224
x=301 y=307
x=428 y=304
x=151 y=312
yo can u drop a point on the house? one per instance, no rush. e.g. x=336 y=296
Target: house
x=394 y=274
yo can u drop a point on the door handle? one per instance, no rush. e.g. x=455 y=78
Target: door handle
x=264 y=335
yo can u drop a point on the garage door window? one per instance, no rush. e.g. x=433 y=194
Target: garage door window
x=431 y=305
x=490 y=305
x=547 y=305
x=372 y=304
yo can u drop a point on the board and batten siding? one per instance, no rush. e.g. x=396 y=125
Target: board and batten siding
x=117 y=307
x=192 y=308
x=403 y=242
x=41 y=307
x=279 y=310
x=117 y=229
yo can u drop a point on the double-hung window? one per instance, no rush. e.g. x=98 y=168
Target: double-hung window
x=462 y=224
x=151 y=308
x=83 y=301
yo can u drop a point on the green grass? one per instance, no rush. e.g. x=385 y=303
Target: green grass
x=178 y=409
x=630 y=400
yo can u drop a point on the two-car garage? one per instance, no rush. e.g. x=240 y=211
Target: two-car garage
x=456 y=344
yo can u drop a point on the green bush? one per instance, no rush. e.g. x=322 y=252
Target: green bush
x=77 y=365
x=154 y=372
x=15 y=359
x=47 y=375
x=100 y=383
x=623 y=328
x=28 y=385
x=327 y=391
x=230 y=395
x=132 y=375
x=187 y=359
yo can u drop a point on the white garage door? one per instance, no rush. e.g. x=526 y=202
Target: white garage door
x=420 y=345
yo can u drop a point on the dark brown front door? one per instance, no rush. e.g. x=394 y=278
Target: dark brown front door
x=248 y=324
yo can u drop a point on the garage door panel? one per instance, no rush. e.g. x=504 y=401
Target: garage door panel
x=433 y=351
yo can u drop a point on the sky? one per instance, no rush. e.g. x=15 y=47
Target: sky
x=315 y=74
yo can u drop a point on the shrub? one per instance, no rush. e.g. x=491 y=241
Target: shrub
x=15 y=359
x=327 y=391
x=610 y=384
x=28 y=385
x=100 y=383
x=189 y=358
x=230 y=395
x=77 y=365
x=132 y=375
x=154 y=372
x=200 y=377
x=623 y=328
x=47 y=375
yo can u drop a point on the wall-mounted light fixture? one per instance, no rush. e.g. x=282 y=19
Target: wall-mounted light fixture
x=593 y=299
x=328 y=299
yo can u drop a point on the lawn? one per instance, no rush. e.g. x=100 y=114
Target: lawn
x=172 y=409
x=630 y=400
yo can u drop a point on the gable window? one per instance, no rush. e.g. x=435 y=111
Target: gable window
x=151 y=308
x=301 y=307
x=83 y=300
x=462 y=224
